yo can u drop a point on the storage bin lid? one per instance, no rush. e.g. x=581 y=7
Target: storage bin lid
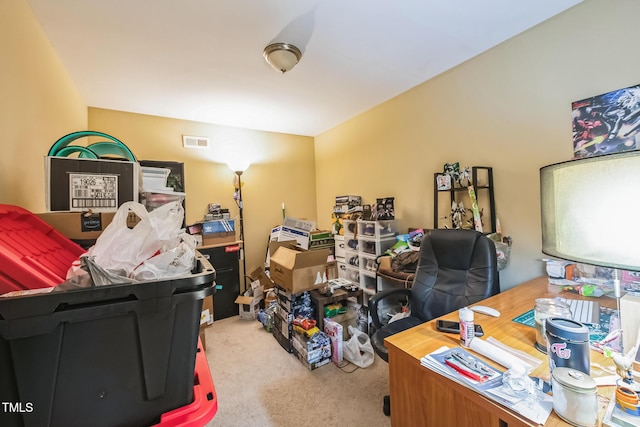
x=153 y=171
x=574 y=380
x=33 y=254
x=567 y=329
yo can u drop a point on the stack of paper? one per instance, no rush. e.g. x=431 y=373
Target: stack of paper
x=535 y=408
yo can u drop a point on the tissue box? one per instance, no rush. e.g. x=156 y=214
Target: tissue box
x=334 y=330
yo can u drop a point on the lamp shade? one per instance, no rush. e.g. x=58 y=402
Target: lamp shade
x=238 y=164
x=589 y=207
x=282 y=56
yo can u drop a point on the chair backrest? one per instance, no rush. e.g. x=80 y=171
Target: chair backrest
x=457 y=268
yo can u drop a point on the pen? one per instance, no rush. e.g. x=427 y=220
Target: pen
x=469 y=373
x=471 y=364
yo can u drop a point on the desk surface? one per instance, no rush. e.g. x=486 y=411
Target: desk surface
x=420 y=396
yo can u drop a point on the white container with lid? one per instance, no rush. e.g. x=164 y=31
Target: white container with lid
x=575 y=397
x=154 y=178
x=467 y=328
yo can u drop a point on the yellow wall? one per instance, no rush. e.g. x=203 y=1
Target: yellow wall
x=282 y=169
x=38 y=104
x=509 y=108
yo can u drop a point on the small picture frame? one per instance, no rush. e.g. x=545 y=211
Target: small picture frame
x=444 y=182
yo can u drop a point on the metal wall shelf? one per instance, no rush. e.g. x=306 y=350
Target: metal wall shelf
x=484 y=195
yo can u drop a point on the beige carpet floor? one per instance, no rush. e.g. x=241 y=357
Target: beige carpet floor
x=259 y=384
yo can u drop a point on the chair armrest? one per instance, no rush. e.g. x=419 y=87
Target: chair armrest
x=380 y=296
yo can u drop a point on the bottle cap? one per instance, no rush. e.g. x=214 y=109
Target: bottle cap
x=465 y=314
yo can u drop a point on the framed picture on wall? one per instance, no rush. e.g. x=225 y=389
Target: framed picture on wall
x=607 y=123
x=630 y=276
x=444 y=182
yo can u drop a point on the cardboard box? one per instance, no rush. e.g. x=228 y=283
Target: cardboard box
x=298 y=270
x=75 y=184
x=215 y=239
x=218 y=226
x=335 y=332
x=206 y=317
x=248 y=309
x=313 y=352
x=282 y=330
x=78 y=225
x=284 y=301
x=293 y=304
x=293 y=229
x=283 y=233
x=249 y=303
x=349 y=200
x=322 y=239
x=332 y=270
x=312 y=365
x=274 y=245
x=260 y=275
x=300 y=224
x=350 y=318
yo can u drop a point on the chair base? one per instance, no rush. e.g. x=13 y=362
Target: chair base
x=386 y=405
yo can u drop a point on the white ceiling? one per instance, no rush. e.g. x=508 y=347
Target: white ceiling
x=202 y=60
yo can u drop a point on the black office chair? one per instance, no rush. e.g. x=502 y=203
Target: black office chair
x=457 y=268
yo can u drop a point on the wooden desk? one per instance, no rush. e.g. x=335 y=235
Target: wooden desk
x=421 y=397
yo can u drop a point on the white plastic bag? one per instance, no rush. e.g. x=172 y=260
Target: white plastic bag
x=358 y=349
x=166 y=221
x=176 y=261
x=120 y=249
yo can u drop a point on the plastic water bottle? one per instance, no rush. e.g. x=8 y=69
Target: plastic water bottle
x=467 y=331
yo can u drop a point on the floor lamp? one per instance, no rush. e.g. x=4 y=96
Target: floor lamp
x=238 y=169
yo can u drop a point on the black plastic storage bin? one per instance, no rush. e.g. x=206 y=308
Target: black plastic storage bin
x=117 y=355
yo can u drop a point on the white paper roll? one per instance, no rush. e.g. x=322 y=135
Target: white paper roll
x=497 y=354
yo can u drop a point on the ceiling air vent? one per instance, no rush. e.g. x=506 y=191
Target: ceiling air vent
x=195 y=141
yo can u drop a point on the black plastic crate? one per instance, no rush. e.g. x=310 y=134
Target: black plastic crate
x=118 y=355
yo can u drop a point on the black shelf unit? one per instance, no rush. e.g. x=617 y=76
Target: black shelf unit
x=484 y=195
x=225 y=260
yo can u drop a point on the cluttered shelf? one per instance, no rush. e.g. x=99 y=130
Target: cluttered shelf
x=218 y=245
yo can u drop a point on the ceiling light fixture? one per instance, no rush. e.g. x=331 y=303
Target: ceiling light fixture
x=282 y=56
